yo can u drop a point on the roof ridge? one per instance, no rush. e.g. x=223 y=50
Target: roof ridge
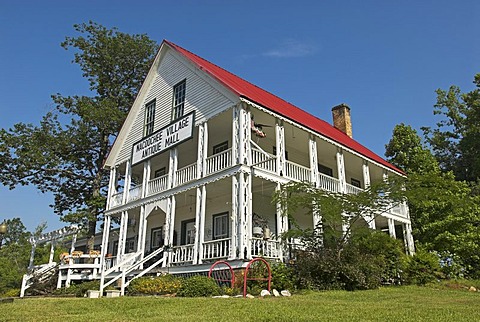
x=235 y=75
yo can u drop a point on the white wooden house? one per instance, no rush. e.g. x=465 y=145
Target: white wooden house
x=198 y=158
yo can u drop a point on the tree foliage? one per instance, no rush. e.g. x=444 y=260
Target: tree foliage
x=65 y=153
x=342 y=252
x=406 y=151
x=445 y=212
x=456 y=138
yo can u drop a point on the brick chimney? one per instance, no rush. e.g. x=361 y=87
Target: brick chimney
x=342 y=119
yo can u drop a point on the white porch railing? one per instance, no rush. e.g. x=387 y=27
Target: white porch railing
x=116 y=199
x=157 y=185
x=264 y=161
x=297 y=172
x=328 y=183
x=182 y=254
x=219 y=161
x=134 y=193
x=110 y=262
x=352 y=189
x=265 y=248
x=186 y=174
x=219 y=248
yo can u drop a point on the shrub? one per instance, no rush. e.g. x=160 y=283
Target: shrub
x=283 y=276
x=166 y=284
x=366 y=261
x=422 y=268
x=79 y=290
x=198 y=286
x=13 y=292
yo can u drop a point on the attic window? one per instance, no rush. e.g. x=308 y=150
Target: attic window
x=179 y=99
x=149 y=117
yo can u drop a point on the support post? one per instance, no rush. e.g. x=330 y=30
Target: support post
x=313 y=161
x=391 y=228
x=280 y=147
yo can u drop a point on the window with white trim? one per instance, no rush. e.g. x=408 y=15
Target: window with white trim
x=149 y=118
x=156 y=238
x=220 y=225
x=220 y=147
x=160 y=172
x=179 y=99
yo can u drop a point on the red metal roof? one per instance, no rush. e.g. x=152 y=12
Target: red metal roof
x=257 y=95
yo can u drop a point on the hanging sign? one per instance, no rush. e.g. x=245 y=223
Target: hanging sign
x=178 y=131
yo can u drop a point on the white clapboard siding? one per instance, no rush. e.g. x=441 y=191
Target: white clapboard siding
x=201 y=97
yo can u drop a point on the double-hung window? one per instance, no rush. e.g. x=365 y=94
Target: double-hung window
x=156 y=238
x=220 y=226
x=149 y=117
x=179 y=99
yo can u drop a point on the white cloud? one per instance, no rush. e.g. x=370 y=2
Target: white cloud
x=291 y=48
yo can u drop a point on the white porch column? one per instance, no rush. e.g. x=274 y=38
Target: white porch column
x=234 y=218
x=128 y=181
x=391 y=228
x=341 y=170
x=169 y=228
x=142 y=220
x=52 y=251
x=369 y=218
x=172 y=167
x=366 y=174
x=112 y=187
x=236 y=134
x=312 y=144
x=244 y=214
x=244 y=136
x=200 y=223
x=342 y=183
x=282 y=221
x=122 y=235
x=202 y=150
x=280 y=147
x=409 y=239
x=104 y=250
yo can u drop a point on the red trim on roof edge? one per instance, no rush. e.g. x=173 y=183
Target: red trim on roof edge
x=273 y=103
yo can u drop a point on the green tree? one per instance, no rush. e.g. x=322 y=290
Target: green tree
x=456 y=138
x=406 y=151
x=66 y=152
x=444 y=212
x=14 y=255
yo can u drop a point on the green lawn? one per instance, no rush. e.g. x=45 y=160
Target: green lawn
x=387 y=304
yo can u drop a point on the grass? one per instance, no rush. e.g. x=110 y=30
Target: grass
x=386 y=304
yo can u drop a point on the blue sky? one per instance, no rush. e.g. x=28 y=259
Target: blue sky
x=383 y=58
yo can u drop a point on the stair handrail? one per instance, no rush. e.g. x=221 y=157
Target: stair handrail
x=26 y=280
x=122 y=263
x=128 y=270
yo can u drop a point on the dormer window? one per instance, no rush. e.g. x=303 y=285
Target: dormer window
x=179 y=99
x=149 y=118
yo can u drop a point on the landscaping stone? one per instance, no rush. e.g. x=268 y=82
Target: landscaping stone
x=286 y=293
x=472 y=289
x=265 y=293
x=250 y=296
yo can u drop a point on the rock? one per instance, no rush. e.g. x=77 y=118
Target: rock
x=472 y=289
x=275 y=292
x=286 y=293
x=221 y=297
x=265 y=293
x=250 y=296
x=239 y=295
